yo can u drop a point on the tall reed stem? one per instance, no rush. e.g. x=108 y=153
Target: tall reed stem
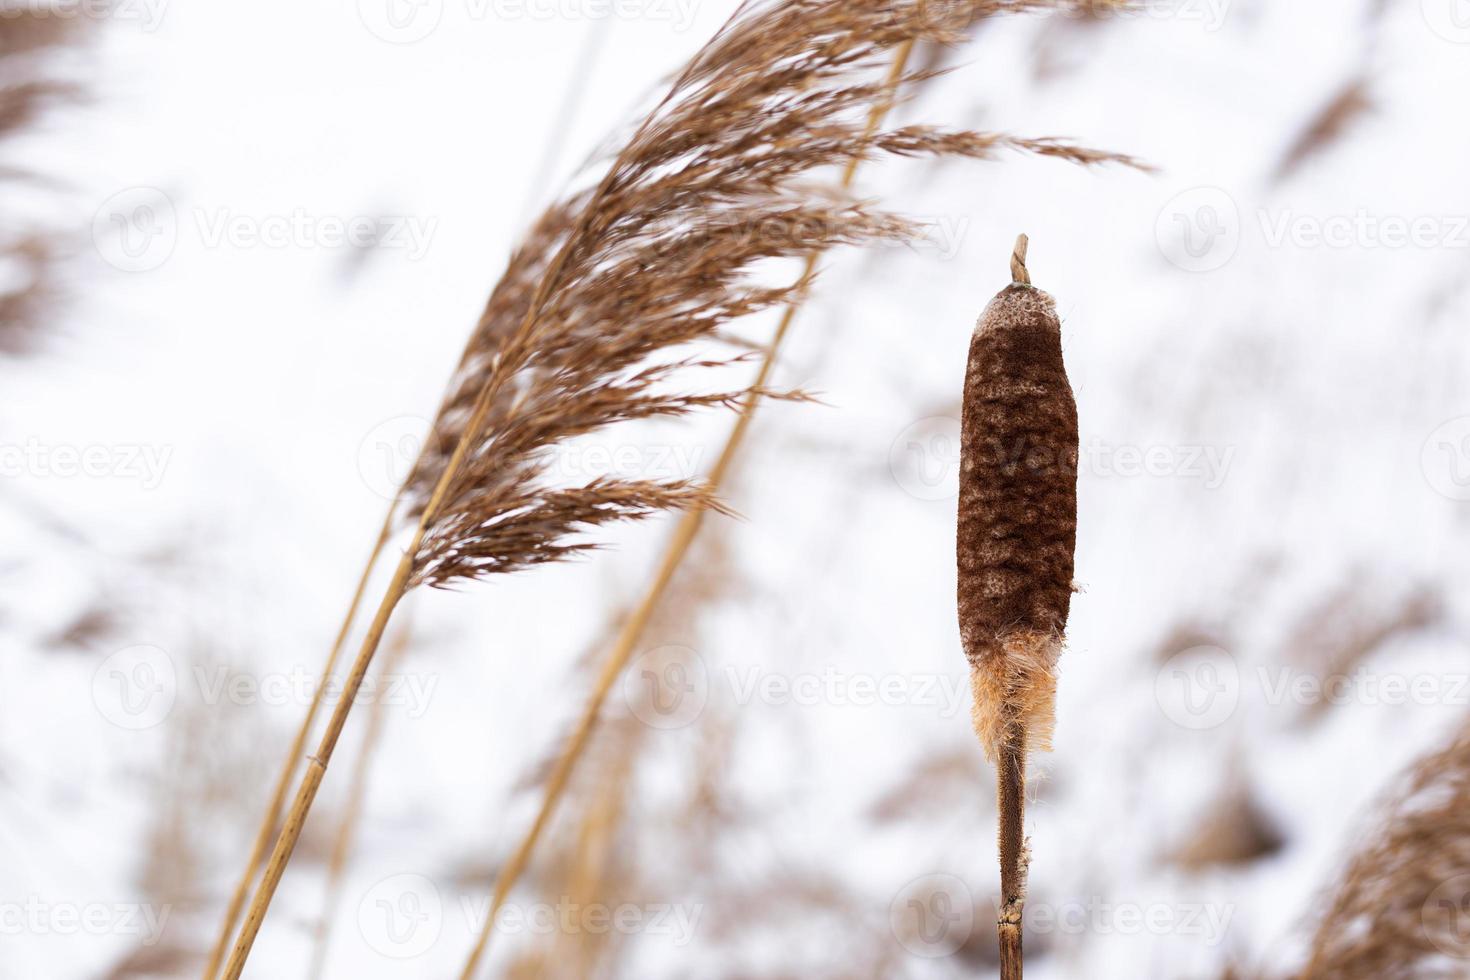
x=683 y=537
x=352 y=809
x=288 y=768
x=402 y=575
x=317 y=767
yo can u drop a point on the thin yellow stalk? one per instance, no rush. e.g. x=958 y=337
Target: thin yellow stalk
x=311 y=781
x=588 y=863
x=272 y=816
x=288 y=770
x=684 y=534
x=317 y=766
x=352 y=809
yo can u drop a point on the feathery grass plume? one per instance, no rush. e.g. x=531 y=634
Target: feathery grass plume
x=1017 y=531
x=682 y=540
x=1398 y=910
x=823 y=67
x=660 y=256
x=504 y=311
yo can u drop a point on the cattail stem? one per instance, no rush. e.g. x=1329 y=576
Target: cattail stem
x=684 y=534
x=1011 y=807
x=272 y=816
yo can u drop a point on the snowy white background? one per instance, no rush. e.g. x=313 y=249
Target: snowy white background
x=1276 y=437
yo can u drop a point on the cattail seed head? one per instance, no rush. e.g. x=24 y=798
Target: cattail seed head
x=1017 y=526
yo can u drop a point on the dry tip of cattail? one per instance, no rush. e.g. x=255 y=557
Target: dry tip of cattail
x=1017 y=512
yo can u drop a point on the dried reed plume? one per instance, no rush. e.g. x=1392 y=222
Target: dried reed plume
x=1017 y=532
x=1398 y=912
x=659 y=256
x=633 y=626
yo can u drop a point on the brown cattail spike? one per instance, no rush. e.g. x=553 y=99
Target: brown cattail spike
x=1018 y=512
x=1017 y=531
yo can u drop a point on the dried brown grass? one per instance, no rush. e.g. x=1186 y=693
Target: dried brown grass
x=1328 y=126
x=29 y=90
x=1398 y=912
x=1234 y=830
x=1337 y=634
x=660 y=255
